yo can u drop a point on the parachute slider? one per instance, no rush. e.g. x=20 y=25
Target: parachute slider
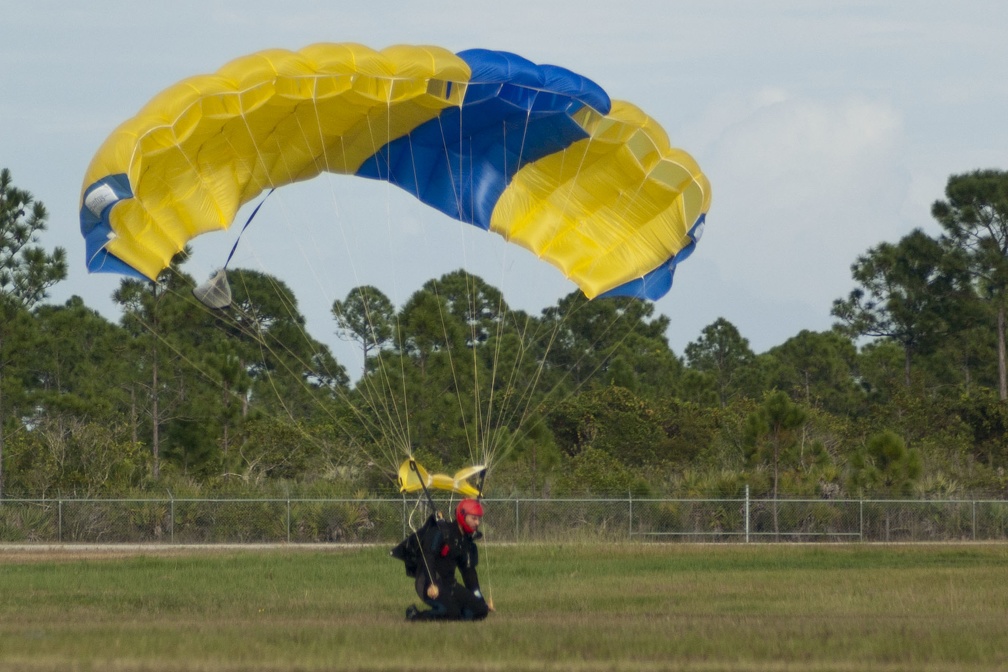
x=414 y=478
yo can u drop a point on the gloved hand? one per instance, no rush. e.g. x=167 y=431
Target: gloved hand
x=432 y=591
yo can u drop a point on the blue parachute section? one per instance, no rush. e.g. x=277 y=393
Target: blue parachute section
x=514 y=112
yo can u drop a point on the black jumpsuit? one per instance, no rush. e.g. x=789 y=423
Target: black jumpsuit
x=446 y=548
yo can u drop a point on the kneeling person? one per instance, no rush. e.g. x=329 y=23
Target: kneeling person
x=448 y=547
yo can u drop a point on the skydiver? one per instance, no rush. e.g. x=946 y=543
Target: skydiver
x=447 y=546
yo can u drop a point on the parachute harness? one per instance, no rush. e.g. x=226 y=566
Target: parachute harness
x=434 y=510
x=416 y=533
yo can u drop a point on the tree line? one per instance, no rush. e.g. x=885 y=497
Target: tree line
x=906 y=395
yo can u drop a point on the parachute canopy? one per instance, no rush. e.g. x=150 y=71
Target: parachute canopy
x=536 y=153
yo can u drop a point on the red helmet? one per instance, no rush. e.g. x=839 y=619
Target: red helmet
x=470 y=507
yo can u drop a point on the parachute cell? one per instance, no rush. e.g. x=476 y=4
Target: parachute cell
x=535 y=153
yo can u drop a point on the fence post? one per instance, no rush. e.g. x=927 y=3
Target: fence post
x=630 y=528
x=59 y=524
x=517 y=528
x=288 y=520
x=747 y=513
x=974 y=520
x=171 y=518
x=861 y=519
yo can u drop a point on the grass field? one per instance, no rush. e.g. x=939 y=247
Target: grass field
x=569 y=607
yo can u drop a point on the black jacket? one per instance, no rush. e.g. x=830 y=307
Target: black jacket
x=447 y=549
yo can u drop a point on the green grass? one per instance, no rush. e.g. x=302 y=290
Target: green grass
x=570 y=607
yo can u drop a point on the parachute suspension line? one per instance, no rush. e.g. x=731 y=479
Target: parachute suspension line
x=377 y=390
x=493 y=422
x=492 y=429
x=264 y=348
x=290 y=308
x=378 y=403
x=392 y=420
x=480 y=442
x=403 y=413
x=526 y=410
x=403 y=395
x=473 y=317
x=483 y=436
x=488 y=431
x=199 y=368
x=558 y=324
x=506 y=419
x=416 y=530
x=521 y=408
x=476 y=440
x=320 y=163
x=251 y=326
x=442 y=304
x=529 y=396
x=487 y=424
x=391 y=430
x=481 y=446
x=223 y=278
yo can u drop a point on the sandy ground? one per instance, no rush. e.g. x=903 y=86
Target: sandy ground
x=20 y=553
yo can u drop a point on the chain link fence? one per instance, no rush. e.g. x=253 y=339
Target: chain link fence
x=297 y=521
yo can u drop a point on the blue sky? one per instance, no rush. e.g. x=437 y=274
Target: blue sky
x=825 y=129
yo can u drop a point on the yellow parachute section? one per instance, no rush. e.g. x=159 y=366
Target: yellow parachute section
x=610 y=206
x=202 y=148
x=414 y=478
